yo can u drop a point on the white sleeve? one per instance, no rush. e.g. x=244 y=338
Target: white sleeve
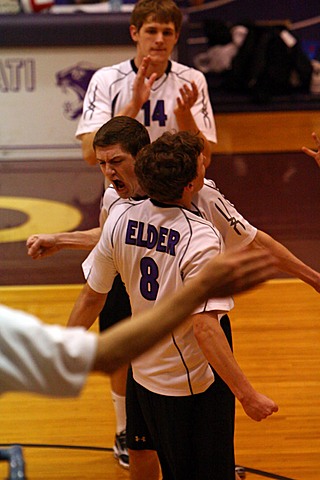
x=99 y=267
x=202 y=110
x=41 y=358
x=110 y=198
x=97 y=108
x=236 y=231
x=193 y=261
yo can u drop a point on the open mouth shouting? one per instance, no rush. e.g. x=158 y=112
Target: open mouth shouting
x=119 y=186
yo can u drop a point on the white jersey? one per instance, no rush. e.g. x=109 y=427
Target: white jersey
x=156 y=248
x=42 y=358
x=110 y=89
x=212 y=205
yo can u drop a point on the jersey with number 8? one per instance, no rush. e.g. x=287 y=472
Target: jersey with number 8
x=151 y=265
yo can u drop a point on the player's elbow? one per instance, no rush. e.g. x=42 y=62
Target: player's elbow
x=201 y=331
x=88 y=152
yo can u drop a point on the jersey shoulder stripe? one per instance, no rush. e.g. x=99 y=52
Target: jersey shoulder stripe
x=210 y=187
x=185 y=73
x=234 y=228
x=114 y=72
x=194 y=222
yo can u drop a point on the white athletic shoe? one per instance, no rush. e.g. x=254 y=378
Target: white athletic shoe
x=120 y=450
x=240 y=472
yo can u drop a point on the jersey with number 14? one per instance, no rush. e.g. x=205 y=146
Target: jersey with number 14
x=110 y=89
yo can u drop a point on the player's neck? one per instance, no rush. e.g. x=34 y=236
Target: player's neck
x=176 y=203
x=184 y=202
x=188 y=206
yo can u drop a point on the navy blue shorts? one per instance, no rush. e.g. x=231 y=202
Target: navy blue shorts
x=117 y=306
x=193 y=435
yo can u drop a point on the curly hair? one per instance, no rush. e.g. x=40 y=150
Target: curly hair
x=166 y=166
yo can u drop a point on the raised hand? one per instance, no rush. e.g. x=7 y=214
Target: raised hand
x=141 y=89
x=188 y=97
x=312 y=153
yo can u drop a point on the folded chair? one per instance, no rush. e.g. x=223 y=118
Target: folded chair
x=14 y=456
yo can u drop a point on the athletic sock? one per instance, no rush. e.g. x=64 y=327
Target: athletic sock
x=119 y=405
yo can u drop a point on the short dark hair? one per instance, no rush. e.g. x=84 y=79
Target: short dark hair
x=162 y=11
x=166 y=166
x=130 y=134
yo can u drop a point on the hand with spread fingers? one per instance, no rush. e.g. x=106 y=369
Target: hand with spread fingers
x=312 y=153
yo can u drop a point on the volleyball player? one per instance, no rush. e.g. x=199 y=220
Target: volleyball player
x=156 y=245
x=163 y=95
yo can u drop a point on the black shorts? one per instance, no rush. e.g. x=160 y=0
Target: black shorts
x=117 y=306
x=193 y=435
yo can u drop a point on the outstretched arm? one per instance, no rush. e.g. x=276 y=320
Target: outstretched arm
x=312 y=153
x=216 y=349
x=286 y=261
x=55 y=361
x=44 y=245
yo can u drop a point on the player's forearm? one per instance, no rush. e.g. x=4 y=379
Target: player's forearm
x=207 y=150
x=86 y=308
x=286 y=261
x=88 y=152
x=129 y=338
x=79 y=240
x=130 y=110
x=186 y=122
x=217 y=351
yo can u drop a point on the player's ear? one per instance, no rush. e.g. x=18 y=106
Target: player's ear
x=189 y=187
x=134 y=32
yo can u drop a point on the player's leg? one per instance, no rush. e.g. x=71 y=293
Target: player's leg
x=118 y=380
x=193 y=435
x=225 y=391
x=144 y=463
x=116 y=308
x=213 y=435
x=168 y=420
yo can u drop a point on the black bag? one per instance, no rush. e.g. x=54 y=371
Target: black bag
x=270 y=62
